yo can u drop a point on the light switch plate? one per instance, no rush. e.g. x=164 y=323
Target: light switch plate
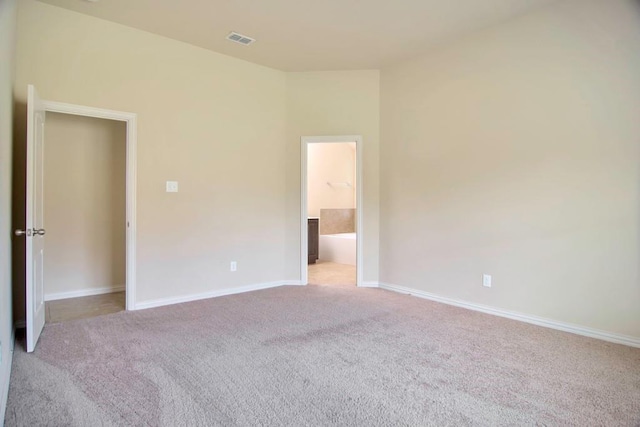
x=172 y=186
x=486 y=280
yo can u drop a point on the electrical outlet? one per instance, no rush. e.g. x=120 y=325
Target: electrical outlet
x=233 y=266
x=172 y=186
x=486 y=280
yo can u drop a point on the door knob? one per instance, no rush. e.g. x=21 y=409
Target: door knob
x=39 y=232
x=23 y=232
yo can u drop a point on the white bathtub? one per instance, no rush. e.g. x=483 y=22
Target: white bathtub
x=340 y=248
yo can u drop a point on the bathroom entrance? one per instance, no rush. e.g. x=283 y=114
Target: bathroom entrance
x=331 y=214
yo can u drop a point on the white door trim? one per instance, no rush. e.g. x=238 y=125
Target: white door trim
x=131 y=119
x=304 y=245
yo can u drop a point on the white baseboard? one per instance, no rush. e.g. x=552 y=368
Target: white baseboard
x=369 y=285
x=83 y=293
x=540 y=321
x=205 y=295
x=293 y=283
x=5 y=376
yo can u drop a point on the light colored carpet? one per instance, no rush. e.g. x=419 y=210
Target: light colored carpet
x=319 y=355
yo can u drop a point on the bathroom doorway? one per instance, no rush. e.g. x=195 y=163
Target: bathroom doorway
x=331 y=213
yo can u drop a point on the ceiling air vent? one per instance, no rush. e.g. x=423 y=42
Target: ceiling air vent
x=239 y=38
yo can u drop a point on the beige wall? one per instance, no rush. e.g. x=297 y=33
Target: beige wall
x=334 y=103
x=515 y=152
x=206 y=120
x=194 y=107
x=335 y=163
x=85 y=200
x=7 y=32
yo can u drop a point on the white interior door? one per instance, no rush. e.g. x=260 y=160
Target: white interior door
x=34 y=232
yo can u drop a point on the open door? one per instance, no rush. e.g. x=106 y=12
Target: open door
x=34 y=232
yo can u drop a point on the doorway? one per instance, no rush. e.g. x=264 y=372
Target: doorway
x=34 y=230
x=331 y=210
x=131 y=123
x=84 y=216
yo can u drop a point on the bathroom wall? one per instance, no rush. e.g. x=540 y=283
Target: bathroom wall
x=335 y=221
x=331 y=174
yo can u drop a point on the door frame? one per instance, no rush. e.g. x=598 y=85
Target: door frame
x=304 y=242
x=131 y=120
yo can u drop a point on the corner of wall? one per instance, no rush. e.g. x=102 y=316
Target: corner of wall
x=8 y=12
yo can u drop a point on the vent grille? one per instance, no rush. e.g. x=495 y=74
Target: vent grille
x=239 y=38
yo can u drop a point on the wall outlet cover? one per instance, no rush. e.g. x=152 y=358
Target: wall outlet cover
x=486 y=280
x=172 y=186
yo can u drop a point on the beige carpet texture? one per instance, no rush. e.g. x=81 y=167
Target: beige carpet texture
x=318 y=356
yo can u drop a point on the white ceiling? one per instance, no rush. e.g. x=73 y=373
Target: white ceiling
x=306 y=35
